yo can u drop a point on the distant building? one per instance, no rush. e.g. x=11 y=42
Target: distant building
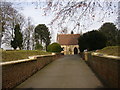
x=69 y=43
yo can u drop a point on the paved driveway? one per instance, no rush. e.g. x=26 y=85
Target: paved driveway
x=67 y=72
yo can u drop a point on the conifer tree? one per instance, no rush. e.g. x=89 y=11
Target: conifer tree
x=18 y=38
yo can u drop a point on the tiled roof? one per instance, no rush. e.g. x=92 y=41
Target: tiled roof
x=68 y=39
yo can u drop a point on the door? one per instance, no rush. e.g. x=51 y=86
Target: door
x=75 y=50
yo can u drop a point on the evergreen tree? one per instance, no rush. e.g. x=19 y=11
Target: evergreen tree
x=111 y=32
x=18 y=38
x=92 y=40
x=42 y=34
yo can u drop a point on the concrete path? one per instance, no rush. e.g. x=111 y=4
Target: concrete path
x=67 y=72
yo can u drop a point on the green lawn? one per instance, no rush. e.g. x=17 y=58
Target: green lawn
x=111 y=50
x=20 y=54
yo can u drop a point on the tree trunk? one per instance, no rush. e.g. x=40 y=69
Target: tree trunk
x=27 y=43
x=0 y=38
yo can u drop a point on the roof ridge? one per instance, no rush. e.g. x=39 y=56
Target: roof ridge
x=68 y=34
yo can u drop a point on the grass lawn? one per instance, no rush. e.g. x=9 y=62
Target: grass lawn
x=20 y=54
x=111 y=50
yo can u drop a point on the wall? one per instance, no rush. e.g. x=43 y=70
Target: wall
x=14 y=74
x=69 y=49
x=107 y=69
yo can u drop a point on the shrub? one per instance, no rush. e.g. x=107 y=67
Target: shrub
x=49 y=48
x=54 y=47
x=38 y=46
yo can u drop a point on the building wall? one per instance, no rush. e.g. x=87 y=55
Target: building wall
x=69 y=49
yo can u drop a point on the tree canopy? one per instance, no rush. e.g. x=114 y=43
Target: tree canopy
x=42 y=34
x=92 y=40
x=111 y=32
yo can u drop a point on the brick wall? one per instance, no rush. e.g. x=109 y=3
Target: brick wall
x=108 y=69
x=14 y=74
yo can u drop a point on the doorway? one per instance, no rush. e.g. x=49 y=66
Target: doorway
x=75 y=50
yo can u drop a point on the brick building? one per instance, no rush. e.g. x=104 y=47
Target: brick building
x=69 y=43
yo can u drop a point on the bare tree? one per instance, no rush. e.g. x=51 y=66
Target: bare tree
x=80 y=13
x=118 y=21
x=10 y=17
x=5 y=18
x=64 y=31
x=28 y=35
